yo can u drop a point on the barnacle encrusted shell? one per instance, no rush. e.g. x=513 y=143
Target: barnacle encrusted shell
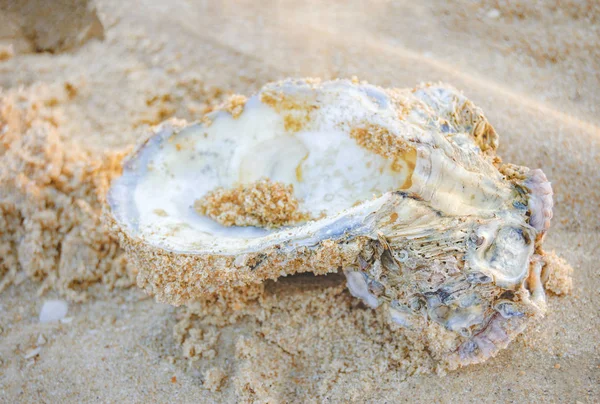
x=407 y=197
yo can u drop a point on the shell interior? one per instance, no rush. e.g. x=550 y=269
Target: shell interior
x=330 y=172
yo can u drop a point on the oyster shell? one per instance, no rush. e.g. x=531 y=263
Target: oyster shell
x=405 y=193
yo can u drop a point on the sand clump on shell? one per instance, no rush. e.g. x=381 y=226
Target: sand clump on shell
x=263 y=203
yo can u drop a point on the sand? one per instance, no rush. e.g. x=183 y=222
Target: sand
x=533 y=67
x=262 y=203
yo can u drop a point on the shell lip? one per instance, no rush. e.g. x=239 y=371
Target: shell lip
x=540 y=202
x=346 y=224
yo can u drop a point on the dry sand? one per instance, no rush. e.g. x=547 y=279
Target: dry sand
x=66 y=116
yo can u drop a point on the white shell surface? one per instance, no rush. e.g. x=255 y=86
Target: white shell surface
x=174 y=169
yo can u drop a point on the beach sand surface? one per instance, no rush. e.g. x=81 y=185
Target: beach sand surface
x=91 y=88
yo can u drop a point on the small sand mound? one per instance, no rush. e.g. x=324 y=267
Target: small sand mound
x=50 y=200
x=263 y=203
